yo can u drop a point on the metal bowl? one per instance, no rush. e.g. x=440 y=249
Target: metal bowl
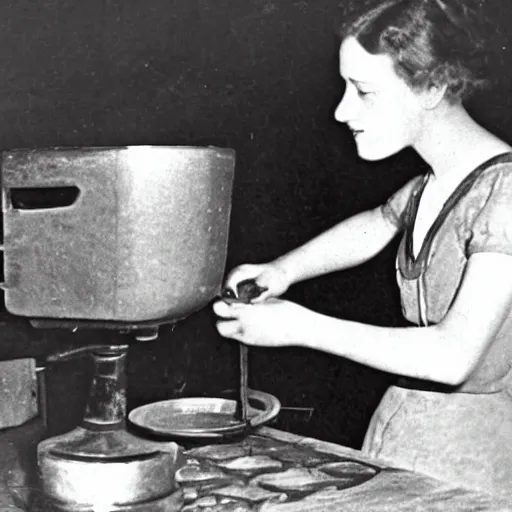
x=203 y=417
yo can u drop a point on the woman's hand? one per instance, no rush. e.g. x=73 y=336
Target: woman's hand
x=268 y=276
x=273 y=323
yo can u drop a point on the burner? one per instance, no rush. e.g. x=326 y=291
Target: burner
x=100 y=465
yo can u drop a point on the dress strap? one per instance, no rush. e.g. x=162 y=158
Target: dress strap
x=411 y=267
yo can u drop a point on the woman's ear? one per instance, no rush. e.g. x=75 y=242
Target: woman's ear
x=433 y=95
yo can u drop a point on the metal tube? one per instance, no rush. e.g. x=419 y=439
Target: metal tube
x=106 y=405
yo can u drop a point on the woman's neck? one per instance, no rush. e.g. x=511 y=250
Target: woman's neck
x=453 y=143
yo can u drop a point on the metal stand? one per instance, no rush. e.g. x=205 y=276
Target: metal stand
x=99 y=465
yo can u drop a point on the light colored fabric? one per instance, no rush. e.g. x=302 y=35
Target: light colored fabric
x=394 y=208
x=480 y=221
x=464 y=436
x=460 y=438
x=491 y=227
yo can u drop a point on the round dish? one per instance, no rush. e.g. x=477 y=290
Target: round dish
x=203 y=417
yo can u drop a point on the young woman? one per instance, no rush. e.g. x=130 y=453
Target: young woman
x=408 y=65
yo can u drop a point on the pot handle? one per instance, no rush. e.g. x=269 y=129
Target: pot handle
x=41 y=198
x=272 y=407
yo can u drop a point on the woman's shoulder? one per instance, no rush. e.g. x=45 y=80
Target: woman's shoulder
x=496 y=173
x=503 y=158
x=489 y=208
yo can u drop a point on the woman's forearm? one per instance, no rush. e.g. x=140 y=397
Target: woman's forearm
x=446 y=352
x=348 y=244
x=418 y=352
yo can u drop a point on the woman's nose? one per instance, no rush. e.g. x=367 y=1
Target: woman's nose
x=345 y=110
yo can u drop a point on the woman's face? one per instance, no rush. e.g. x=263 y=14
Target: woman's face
x=382 y=111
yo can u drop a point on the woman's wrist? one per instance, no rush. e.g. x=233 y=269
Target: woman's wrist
x=283 y=267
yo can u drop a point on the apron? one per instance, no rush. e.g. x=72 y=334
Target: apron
x=461 y=438
x=464 y=438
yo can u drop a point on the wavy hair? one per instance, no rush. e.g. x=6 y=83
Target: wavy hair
x=431 y=42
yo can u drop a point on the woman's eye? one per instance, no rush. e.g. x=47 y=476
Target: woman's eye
x=362 y=94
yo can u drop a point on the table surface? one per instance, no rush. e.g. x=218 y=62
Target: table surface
x=275 y=471
x=272 y=471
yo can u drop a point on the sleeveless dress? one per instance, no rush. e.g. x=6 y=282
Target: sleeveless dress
x=463 y=434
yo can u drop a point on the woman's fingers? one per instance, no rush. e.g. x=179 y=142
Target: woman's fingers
x=229 y=324
x=226 y=309
x=234 y=278
x=229 y=328
x=246 y=272
x=222 y=309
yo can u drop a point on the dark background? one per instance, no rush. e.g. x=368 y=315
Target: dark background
x=259 y=76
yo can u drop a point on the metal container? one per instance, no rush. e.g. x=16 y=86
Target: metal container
x=127 y=234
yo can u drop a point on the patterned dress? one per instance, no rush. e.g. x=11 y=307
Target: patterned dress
x=458 y=434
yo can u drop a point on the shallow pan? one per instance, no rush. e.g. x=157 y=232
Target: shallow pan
x=203 y=417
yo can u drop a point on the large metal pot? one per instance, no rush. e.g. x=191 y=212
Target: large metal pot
x=118 y=233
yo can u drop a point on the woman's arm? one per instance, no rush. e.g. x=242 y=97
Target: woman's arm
x=347 y=244
x=447 y=352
